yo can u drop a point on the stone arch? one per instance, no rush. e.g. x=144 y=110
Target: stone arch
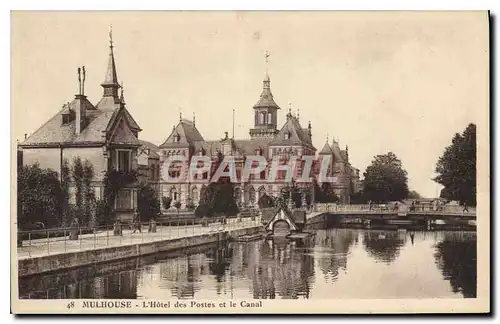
x=251 y=195
x=174 y=194
x=195 y=197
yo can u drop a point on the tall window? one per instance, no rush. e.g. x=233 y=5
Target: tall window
x=123 y=199
x=262 y=117
x=123 y=162
x=269 y=119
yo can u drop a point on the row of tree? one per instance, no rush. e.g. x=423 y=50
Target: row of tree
x=45 y=200
x=385 y=179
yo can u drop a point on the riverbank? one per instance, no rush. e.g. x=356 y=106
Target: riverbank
x=68 y=260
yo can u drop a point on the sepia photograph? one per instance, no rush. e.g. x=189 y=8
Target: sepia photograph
x=250 y=162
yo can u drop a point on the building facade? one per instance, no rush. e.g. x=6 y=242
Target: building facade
x=266 y=139
x=105 y=134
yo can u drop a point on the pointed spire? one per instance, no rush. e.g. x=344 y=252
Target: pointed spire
x=266 y=97
x=110 y=83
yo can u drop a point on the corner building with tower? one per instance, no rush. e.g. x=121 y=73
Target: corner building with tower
x=266 y=139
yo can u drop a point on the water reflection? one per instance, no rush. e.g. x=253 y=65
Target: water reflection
x=383 y=246
x=456 y=256
x=358 y=263
x=333 y=249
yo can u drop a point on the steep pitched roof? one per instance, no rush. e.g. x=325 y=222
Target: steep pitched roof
x=297 y=136
x=98 y=124
x=266 y=97
x=282 y=214
x=326 y=150
x=188 y=133
x=153 y=149
x=249 y=147
x=336 y=151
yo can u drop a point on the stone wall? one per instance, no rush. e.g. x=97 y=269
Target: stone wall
x=82 y=258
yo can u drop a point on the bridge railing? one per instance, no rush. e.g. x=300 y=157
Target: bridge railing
x=391 y=208
x=72 y=239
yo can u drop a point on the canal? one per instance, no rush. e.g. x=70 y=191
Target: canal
x=335 y=263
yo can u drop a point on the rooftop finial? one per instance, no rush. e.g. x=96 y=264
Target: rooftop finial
x=122 y=98
x=111 y=36
x=298 y=113
x=83 y=80
x=194 y=119
x=180 y=116
x=327 y=137
x=290 y=108
x=79 y=80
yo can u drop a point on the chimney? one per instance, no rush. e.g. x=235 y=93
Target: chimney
x=80 y=111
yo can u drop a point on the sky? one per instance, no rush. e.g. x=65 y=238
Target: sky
x=404 y=82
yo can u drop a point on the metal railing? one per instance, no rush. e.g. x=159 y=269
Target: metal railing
x=367 y=209
x=62 y=240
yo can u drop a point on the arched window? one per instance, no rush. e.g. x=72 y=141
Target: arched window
x=173 y=194
x=269 y=119
x=262 y=118
x=194 y=195
x=262 y=191
x=251 y=195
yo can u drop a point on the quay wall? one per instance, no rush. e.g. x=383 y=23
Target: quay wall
x=55 y=262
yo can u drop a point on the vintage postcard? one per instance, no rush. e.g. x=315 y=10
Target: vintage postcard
x=250 y=162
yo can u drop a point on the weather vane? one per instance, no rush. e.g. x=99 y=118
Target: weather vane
x=111 y=35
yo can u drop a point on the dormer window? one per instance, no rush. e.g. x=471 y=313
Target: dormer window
x=287 y=135
x=177 y=138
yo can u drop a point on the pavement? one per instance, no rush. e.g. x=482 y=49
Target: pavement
x=105 y=239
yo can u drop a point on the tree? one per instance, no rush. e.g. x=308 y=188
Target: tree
x=325 y=193
x=385 y=179
x=456 y=168
x=89 y=199
x=166 y=202
x=65 y=181
x=39 y=197
x=220 y=197
x=77 y=174
x=265 y=201
x=148 y=204
x=414 y=195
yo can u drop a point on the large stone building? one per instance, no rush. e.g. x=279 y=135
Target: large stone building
x=266 y=139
